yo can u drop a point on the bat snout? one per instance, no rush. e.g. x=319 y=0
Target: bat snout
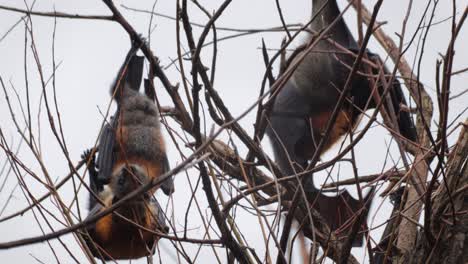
x=128 y=179
x=165 y=229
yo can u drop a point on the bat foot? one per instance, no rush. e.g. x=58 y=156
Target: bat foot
x=395 y=197
x=138 y=41
x=89 y=154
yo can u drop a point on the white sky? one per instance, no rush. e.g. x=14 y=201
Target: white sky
x=90 y=53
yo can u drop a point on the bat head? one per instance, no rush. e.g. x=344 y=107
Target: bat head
x=127 y=179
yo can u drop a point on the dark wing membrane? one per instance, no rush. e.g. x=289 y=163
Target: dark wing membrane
x=96 y=209
x=405 y=124
x=106 y=156
x=168 y=185
x=287 y=126
x=339 y=210
x=158 y=212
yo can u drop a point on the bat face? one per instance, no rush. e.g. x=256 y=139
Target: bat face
x=126 y=179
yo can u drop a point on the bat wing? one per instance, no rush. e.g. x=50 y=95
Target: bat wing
x=96 y=209
x=159 y=215
x=106 y=147
x=168 y=185
x=287 y=126
x=340 y=211
x=405 y=124
x=99 y=231
x=91 y=229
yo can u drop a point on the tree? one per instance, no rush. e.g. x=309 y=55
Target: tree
x=230 y=191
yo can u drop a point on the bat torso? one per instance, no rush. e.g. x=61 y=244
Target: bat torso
x=314 y=88
x=138 y=136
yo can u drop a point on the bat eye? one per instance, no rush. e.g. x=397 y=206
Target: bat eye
x=121 y=180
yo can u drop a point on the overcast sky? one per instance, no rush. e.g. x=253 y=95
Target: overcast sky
x=88 y=54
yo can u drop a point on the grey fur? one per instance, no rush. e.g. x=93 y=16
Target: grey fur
x=140 y=117
x=312 y=91
x=315 y=87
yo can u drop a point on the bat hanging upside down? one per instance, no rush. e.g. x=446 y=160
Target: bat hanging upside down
x=131 y=153
x=305 y=104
